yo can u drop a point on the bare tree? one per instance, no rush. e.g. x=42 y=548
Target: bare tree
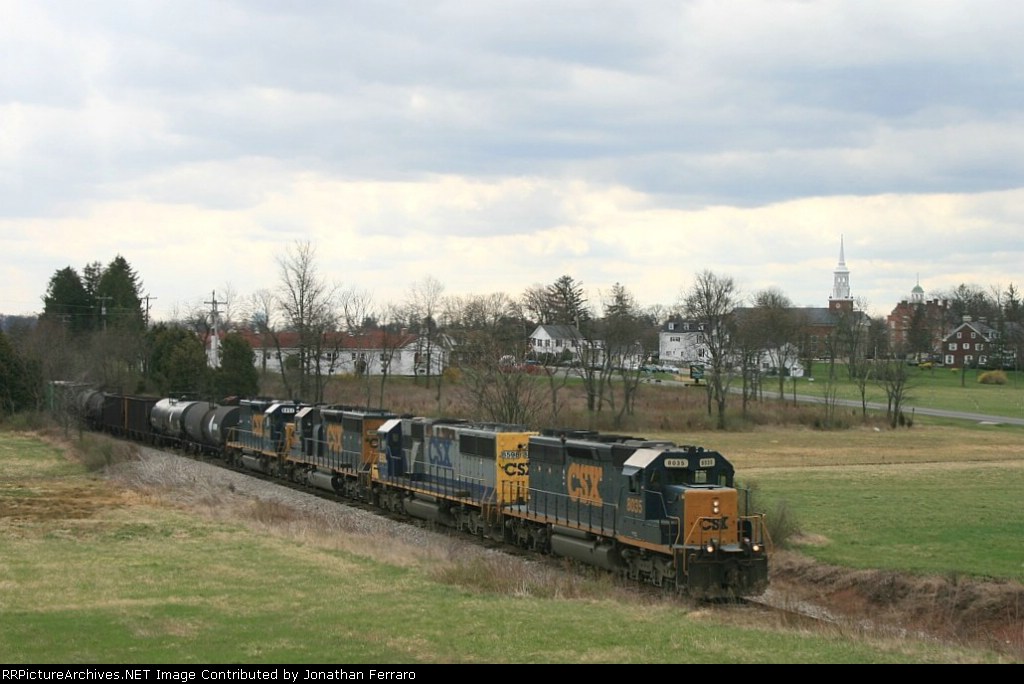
x=425 y=307
x=711 y=302
x=853 y=332
x=308 y=306
x=392 y=338
x=593 y=364
x=503 y=392
x=261 y=310
x=535 y=305
x=892 y=376
x=356 y=308
x=749 y=345
x=195 y=316
x=780 y=326
x=624 y=347
x=657 y=313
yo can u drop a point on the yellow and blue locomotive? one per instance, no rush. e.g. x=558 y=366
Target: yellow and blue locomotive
x=652 y=511
x=453 y=472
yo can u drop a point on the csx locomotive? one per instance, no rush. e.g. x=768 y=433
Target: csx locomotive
x=651 y=511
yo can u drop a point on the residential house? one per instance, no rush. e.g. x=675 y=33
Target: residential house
x=682 y=343
x=565 y=344
x=975 y=344
x=556 y=342
x=400 y=353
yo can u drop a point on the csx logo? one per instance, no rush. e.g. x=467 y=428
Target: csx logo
x=709 y=524
x=583 y=483
x=440 y=453
x=334 y=433
x=513 y=469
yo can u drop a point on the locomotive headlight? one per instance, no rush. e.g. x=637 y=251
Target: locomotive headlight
x=710 y=546
x=756 y=548
x=716 y=507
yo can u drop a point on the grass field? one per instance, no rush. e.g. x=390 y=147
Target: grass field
x=938 y=387
x=95 y=573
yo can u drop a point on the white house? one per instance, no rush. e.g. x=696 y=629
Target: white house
x=340 y=353
x=564 y=341
x=681 y=343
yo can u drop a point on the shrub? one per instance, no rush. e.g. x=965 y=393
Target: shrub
x=96 y=452
x=782 y=524
x=780 y=520
x=993 y=377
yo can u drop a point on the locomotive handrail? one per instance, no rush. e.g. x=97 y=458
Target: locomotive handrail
x=557 y=507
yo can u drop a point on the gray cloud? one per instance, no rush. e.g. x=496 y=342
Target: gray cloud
x=460 y=120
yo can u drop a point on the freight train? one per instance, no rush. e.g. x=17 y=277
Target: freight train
x=651 y=511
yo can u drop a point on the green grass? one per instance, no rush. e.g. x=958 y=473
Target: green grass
x=958 y=518
x=93 y=574
x=938 y=388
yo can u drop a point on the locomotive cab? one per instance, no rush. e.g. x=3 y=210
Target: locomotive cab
x=669 y=494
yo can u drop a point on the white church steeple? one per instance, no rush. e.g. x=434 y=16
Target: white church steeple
x=841 y=282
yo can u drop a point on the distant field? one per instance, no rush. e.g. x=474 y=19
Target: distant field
x=937 y=387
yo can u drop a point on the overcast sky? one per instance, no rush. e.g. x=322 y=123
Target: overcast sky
x=497 y=146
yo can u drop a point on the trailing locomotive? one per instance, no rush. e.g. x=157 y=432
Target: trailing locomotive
x=651 y=511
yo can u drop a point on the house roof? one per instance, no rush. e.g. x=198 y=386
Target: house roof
x=982 y=328
x=560 y=332
x=681 y=325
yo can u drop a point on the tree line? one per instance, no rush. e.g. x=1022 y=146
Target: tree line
x=94 y=328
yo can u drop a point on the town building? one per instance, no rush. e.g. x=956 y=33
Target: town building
x=399 y=353
x=917 y=326
x=971 y=344
x=682 y=343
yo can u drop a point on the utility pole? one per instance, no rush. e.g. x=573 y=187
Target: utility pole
x=147 y=309
x=213 y=356
x=103 y=310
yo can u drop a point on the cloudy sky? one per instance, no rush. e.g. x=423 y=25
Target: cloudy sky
x=497 y=146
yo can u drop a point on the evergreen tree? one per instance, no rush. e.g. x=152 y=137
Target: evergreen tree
x=177 y=360
x=919 y=337
x=566 y=303
x=187 y=372
x=118 y=294
x=1012 y=308
x=68 y=302
x=91 y=275
x=19 y=379
x=237 y=375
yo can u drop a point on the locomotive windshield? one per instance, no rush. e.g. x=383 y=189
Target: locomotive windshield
x=696 y=477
